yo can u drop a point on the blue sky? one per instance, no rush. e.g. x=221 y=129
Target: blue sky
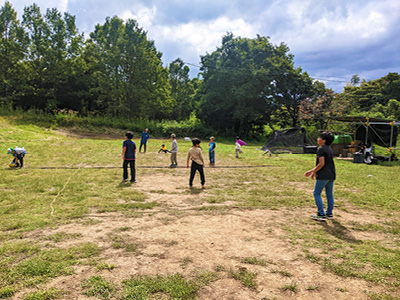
x=331 y=40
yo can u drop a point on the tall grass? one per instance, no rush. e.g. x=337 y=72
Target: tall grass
x=100 y=123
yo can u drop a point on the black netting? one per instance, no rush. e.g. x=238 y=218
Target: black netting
x=292 y=139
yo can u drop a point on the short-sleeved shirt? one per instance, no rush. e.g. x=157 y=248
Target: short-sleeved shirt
x=130 y=149
x=211 y=146
x=145 y=137
x=174 y=147
x=196 y=155
x=328 y=171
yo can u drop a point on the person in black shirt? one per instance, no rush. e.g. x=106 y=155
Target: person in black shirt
x=128 y=156
x=325 y=175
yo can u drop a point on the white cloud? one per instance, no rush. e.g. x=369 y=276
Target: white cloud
x=201 y=37
x=61 y=5
x=143 y=14
x=342 y=27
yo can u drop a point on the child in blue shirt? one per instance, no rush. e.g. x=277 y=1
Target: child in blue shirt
x=128 y=156
x=143 y=141
x=211 y=150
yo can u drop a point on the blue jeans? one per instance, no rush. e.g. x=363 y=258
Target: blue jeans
x=319 y=186
x=212 y=157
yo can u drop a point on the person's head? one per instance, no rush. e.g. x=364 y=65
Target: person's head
x=237 y=138
x=129 y=135
x=212 y=139
x=146 y=130
x=325 y=138
x=162 y=145
x=10 y=150
x=196 y=142
x=173 y=136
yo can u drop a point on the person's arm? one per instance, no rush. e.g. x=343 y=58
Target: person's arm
x=202 y=159
x=123 y=153
x=319 y=166
x=187 y=162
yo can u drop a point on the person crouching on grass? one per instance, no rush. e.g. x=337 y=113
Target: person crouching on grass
x=128 y=156
x=325 y=175
x=195 y=154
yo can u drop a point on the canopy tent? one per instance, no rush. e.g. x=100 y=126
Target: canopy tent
x=372 y=130
x=291 y=139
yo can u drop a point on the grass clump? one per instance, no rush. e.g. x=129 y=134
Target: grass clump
x=245 y=277
x=97 y=286
x=50 y=294
x=172 y=286
x=254 y=261
x=292 y=287
x=6 y=291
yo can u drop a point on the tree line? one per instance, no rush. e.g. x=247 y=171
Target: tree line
x=245 y=84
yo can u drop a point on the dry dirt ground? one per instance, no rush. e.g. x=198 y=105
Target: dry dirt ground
x=180 y=237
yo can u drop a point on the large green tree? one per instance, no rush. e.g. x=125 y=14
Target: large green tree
x=249 y=83
x=11 y=52
x=132 y=81
x=53 y=47
x=182 y=89
x=375 y=98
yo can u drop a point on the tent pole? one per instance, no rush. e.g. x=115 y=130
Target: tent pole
x=391 y=140
x=366 y=130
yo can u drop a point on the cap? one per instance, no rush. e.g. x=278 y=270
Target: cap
x=10 y=150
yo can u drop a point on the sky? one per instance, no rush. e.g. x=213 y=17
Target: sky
x=330 y=40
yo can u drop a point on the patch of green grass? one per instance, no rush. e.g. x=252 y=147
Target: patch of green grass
x=23 y=264
x=97 y=286
x=172 y=286
x=6 y=291
x=205 y=277
x=254 y=261
x=312 y=287
x=50 y=294
x=283 y=273
x=349 y=257
x=380 y=296
x=104 y=266
x=292 y=287
x=245 y=277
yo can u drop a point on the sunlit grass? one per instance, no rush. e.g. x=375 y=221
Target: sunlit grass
x=37 y=197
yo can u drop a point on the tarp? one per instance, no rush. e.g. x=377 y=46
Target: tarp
x=291 y=139
x=378 y=134
x=379 y=130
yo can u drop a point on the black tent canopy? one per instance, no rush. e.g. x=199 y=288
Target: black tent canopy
x=373 y=130
x=291 y=139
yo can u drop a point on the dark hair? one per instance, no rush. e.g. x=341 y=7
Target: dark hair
x=196 y=141
x=237 y=137
x=129 y=135
x=327 y=136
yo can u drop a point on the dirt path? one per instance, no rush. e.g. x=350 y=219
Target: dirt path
x=184 y=235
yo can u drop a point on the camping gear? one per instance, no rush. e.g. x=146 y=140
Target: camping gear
x=377 y=131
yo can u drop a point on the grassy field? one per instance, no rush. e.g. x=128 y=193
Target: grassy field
x=68 y=179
